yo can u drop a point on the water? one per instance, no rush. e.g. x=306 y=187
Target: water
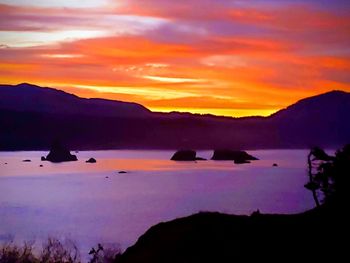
x=75 y=200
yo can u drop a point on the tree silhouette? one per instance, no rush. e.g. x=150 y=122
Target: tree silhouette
x=329 y=176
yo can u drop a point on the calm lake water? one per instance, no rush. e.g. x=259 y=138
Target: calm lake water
x=91 y=203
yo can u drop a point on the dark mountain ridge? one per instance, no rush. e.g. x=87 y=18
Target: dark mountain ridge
x=31 y=98
x=32 y=117
x=332 y=104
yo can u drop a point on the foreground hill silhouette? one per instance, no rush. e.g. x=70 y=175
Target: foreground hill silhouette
x=315 y=235
x=32 y=117
x=215 y=237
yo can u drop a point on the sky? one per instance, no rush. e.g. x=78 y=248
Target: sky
x=223 y=57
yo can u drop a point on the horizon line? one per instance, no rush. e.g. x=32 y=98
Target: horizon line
x=189 y=110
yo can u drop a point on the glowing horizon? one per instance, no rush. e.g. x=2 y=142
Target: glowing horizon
x=227 y=57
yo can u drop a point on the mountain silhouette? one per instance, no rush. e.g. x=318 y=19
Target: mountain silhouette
x=331 y=105
x=30 y=98
x=32 y=117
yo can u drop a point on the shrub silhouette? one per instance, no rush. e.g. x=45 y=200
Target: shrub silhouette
x=55 y=251
x=102 y=254
x=10 y=253
x=329 y=176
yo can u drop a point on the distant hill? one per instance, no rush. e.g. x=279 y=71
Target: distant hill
x=30 y=98
x=320 y=120
x=32 y=117
x=331 y=105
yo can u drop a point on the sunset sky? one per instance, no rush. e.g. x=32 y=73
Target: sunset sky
x=225 y=57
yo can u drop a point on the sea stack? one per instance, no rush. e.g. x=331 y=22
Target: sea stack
x=59 y=153
x=91 y=160
x=238 y=157
x=186 y=155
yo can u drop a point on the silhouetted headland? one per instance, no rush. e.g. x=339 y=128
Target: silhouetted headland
x=315 y=235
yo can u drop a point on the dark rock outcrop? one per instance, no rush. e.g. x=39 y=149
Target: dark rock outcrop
x=60 y=153
x=241 y=161
x=91 y=160
x=231 y=155
x=186 y=155
x=275 y=165
x=27 y=161
x=43 y=158
x=122 y=172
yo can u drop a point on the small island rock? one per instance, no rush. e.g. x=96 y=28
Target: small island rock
x=186 y=155
x=231 y=155
x=59 y=153
x=122 y=172
x=26 y=161
x=91 y=160
x=241 y=161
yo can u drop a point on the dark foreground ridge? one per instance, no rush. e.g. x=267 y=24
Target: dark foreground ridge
x=215 y=237
x=318 y=235
x=315 y=235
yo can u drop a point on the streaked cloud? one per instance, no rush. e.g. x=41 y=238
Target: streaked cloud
x=172 y=79
x=56 y=3
x=37 y=38
x=226 y=57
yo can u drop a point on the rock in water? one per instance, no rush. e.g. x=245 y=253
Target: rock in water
x=43 y=158
x=241 y=161
x=186 y=155
x=275 y=165
x=91 y=160
x=59 y=153
x=122 y=172
x=231 y=155
x=26 y=161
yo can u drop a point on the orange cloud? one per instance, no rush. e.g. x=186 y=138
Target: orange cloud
x=223 y=58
